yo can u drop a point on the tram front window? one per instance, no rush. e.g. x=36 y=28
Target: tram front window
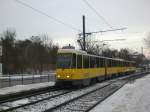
x=64 y=60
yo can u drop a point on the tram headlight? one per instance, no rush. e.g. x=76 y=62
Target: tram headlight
x=58 y=76
x=68 y=76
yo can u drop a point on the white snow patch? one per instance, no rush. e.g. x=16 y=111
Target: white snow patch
x=20 y=102
x=133 y=97
x=21 y=88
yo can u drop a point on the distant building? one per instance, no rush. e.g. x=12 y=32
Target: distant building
x=68 y=47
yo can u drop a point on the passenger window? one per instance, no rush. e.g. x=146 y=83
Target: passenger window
x=97 y=62
x=92 y=62
x=74 y=61
x=121 y=63
x=113 y=63
x=85 y=61
x=109 y=63
x=101 y=62
x=79 y=61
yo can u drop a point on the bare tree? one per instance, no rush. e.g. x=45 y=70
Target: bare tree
x=125 y=54
x=8 y=43
x=92 y=46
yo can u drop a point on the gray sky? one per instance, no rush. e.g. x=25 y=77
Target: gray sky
x=133 y=14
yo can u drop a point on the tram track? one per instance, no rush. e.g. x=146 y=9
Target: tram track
x=63 y=98
x=83 y=101
x=88 y=101
x=34 y=98
x=25 y=95
x=54 y=101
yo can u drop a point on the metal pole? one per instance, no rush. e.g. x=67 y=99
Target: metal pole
x=40 y=76
x=84 y=48
x=9 y=80
x=48 y=78
x=22 y=79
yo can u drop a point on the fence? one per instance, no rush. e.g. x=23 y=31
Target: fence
x=22 y=79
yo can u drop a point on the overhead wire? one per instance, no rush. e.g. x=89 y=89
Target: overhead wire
x=45 y=14
x=97 y=13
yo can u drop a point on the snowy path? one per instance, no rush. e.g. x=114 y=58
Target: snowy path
x=21 y=88
x=133 y=97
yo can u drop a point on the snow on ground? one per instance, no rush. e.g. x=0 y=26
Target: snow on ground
x=133 y=97
x=21 y=88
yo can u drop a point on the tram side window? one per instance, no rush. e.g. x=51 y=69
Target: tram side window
x=85 y=61
x=79 y=61
x=134 y=64
x=97 y=62
x=116 y=64
x=109 y=63
x=113 y=63
x=119 y=63
x=122 y=64
x=92 y=62
x=130 y=64
x=106 y=62
x=101 y=61
x=125 y=64
x=74 y=61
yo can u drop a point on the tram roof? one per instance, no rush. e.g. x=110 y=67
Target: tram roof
x=71 y=51
x=85 y=53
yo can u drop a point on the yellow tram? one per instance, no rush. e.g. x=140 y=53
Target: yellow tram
x=79 y=68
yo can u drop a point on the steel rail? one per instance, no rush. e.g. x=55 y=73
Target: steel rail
x=71 y=100
x=132 y=77
x=22 y=96
x=34 y=102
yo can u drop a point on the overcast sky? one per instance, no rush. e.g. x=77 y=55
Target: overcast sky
x=133 y=14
